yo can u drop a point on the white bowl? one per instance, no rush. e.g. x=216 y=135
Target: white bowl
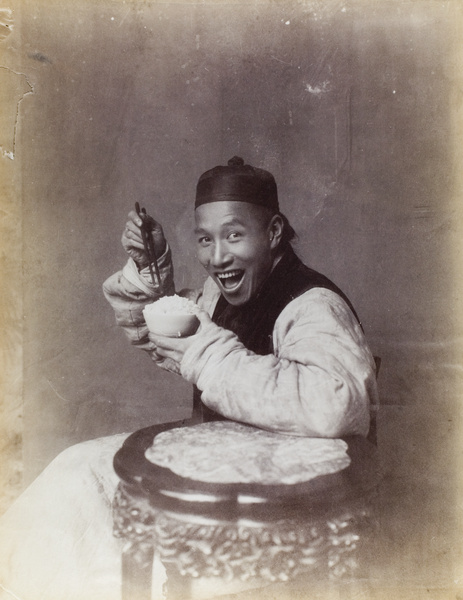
x=171 y=324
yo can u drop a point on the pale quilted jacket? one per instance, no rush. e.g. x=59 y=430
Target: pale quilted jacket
x=320 y=381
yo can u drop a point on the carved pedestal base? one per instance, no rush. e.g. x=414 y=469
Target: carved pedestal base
x=192 y=546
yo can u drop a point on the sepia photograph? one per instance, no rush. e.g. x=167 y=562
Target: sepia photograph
x=231 y=352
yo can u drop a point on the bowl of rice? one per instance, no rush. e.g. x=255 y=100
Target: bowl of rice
x=172 y=316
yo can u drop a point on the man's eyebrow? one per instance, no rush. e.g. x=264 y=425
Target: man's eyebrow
x=233 y=221
x=230 y=223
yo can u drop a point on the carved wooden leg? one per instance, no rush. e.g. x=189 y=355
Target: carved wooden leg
x=178 y=587
x=136 y=574
x=133 y=522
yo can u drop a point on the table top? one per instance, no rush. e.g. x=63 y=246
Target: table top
x=321 y=474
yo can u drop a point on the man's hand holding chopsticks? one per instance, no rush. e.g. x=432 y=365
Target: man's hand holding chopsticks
x=132 y=240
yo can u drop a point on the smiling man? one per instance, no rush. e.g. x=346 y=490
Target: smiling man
x=279 y=345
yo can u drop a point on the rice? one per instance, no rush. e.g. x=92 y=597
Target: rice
x=172 y=305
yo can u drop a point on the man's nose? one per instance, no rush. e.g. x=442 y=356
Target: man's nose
x=220 y=255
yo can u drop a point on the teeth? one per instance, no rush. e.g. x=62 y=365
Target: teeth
x=228 y=275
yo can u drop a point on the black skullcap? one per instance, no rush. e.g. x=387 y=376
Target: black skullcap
x=238 y=182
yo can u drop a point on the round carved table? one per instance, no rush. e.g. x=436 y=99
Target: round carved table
x=245 y=531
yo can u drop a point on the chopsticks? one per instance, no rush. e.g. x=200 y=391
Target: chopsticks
x=148 y=243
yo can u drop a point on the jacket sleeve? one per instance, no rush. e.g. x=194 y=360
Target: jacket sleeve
x=129 y=291
x=319 y=382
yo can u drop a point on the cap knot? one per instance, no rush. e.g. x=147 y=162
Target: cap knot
x=236 y=161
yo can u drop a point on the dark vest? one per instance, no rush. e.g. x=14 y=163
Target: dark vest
x=254 y=321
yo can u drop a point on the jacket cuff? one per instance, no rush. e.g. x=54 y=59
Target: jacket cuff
x=142 y=279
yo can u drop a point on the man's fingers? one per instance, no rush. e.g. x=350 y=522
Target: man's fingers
x=203 y=317
x=169 y=353
x=134 y=218
x=166 y=343
x=169 y=347
x=160 y=341
x=129 y=244
x=132 y=239
x=132 y=230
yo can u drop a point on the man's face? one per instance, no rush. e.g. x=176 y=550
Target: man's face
x=234 y=245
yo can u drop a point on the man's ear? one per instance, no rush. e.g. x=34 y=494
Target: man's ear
x=275 y=230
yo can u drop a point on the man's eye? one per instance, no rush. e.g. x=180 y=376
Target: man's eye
x=204 y=241
x=234 y=235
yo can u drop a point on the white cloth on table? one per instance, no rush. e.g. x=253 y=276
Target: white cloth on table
x=228 y=452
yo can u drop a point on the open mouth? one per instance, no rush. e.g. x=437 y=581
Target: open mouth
x=230 y=280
